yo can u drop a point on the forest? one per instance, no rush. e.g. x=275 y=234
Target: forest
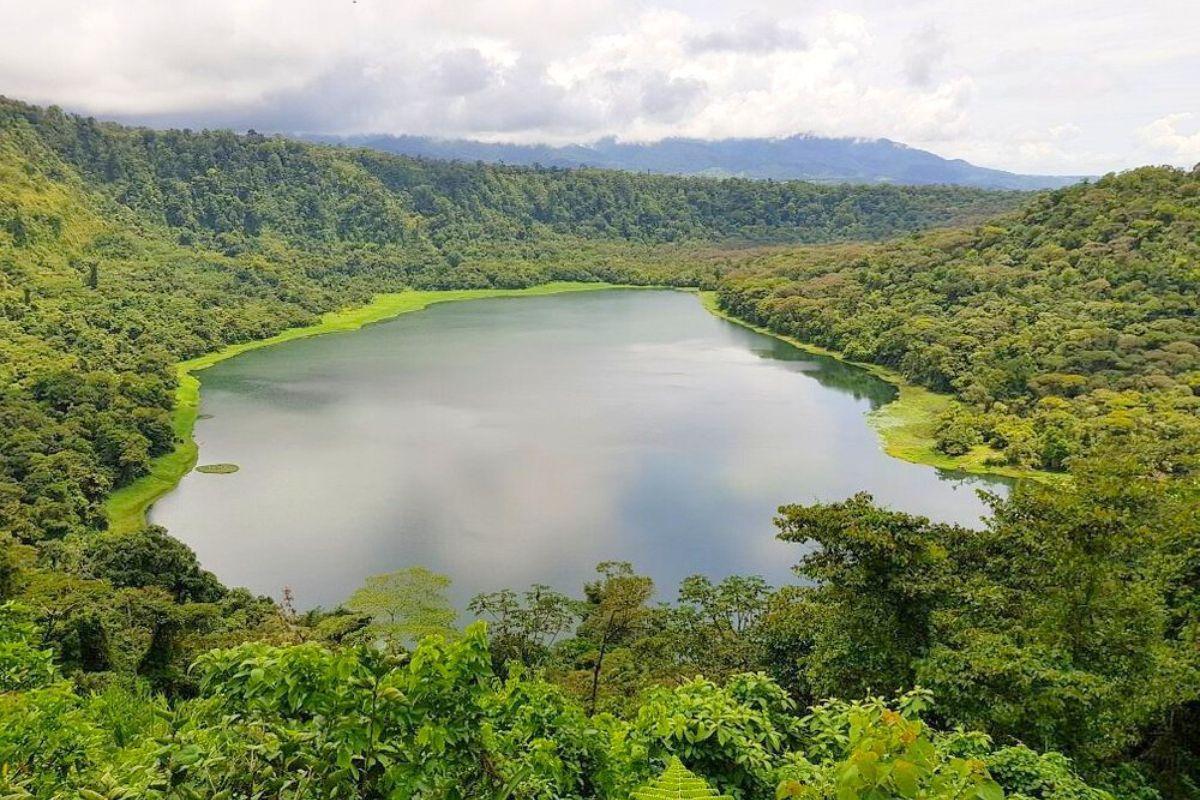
x=1054 y=654
x=1075 y=318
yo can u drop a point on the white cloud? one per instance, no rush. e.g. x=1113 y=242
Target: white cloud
x=1168 y=137
x=1079 y=91
x=463 y=71
x=1066 y=130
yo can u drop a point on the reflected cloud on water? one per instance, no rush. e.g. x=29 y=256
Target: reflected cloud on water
x=512 y=442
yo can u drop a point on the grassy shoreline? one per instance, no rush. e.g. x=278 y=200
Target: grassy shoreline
x=126 y=508
x=906 y=425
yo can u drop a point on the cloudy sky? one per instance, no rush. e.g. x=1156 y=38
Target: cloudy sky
x=1055 y=86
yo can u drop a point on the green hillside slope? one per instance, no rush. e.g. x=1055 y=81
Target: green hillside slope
x=1076 y=318
x=227 y=188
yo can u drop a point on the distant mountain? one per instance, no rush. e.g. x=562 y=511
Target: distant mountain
x=810 y=158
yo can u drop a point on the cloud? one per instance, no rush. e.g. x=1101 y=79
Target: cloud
x=748 y=35
x=1164 y=138
x=463 y=71
x=967 y=80
x=668 y=99
x=522 y=99
x=927 y=49
x=1066 y=130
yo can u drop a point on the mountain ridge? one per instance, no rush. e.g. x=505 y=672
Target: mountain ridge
x=798 y=157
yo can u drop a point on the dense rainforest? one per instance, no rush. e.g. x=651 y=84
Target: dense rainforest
x=1054 y=654
x=1075 y=318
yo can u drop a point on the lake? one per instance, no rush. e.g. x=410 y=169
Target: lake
x=519 y=440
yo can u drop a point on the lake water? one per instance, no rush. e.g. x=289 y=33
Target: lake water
x=520 y=440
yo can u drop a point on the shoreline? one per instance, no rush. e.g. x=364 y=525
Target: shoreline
x=904 y=426
x=126 y=508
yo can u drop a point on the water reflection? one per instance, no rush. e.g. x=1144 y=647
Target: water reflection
x=829 y=372
x=507 y=442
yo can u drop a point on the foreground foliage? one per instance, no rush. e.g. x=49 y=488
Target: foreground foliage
x=1057 y=648
x=309 y=722
x=677 y=783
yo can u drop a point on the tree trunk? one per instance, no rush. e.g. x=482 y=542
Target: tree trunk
x=596 y=669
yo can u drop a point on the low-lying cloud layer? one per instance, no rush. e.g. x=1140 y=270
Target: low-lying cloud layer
x=1050 y=86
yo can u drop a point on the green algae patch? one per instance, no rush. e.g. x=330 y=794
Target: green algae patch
x=217 y=469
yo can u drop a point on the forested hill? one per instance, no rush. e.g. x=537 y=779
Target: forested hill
x=810 y=158
x=1077 y=318
x=218 y=184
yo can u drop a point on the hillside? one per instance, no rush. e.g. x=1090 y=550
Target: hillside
x=215 y=184
x=802 y=157
x=1073 y=319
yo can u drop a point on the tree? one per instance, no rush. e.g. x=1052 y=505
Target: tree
x=785 y=637
x=1068 y=622
x=1072 y=623
x=524 y=628
x=405 y=606
x=717 y=622
x=734 y=604
x=23 y=663
x=880 y=575
x=871 y=748
x=957 y=433
x=616 y=611
x=150 y=557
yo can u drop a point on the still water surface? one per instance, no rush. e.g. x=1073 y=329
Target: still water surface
x=512 y=441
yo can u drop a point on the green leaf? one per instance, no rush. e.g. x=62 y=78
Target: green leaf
x=904 y=776
x=989 y=790
x=677 y=783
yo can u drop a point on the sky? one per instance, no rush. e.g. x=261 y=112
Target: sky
x=1044 y=86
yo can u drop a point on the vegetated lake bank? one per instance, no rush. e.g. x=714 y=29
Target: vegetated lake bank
x=905 y=426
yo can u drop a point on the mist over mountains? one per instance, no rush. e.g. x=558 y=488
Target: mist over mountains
x=801 y=157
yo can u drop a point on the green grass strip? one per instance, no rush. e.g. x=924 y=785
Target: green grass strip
x=126 y=507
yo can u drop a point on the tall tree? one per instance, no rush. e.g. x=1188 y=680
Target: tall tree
x=879 y=575
x=616 y=611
